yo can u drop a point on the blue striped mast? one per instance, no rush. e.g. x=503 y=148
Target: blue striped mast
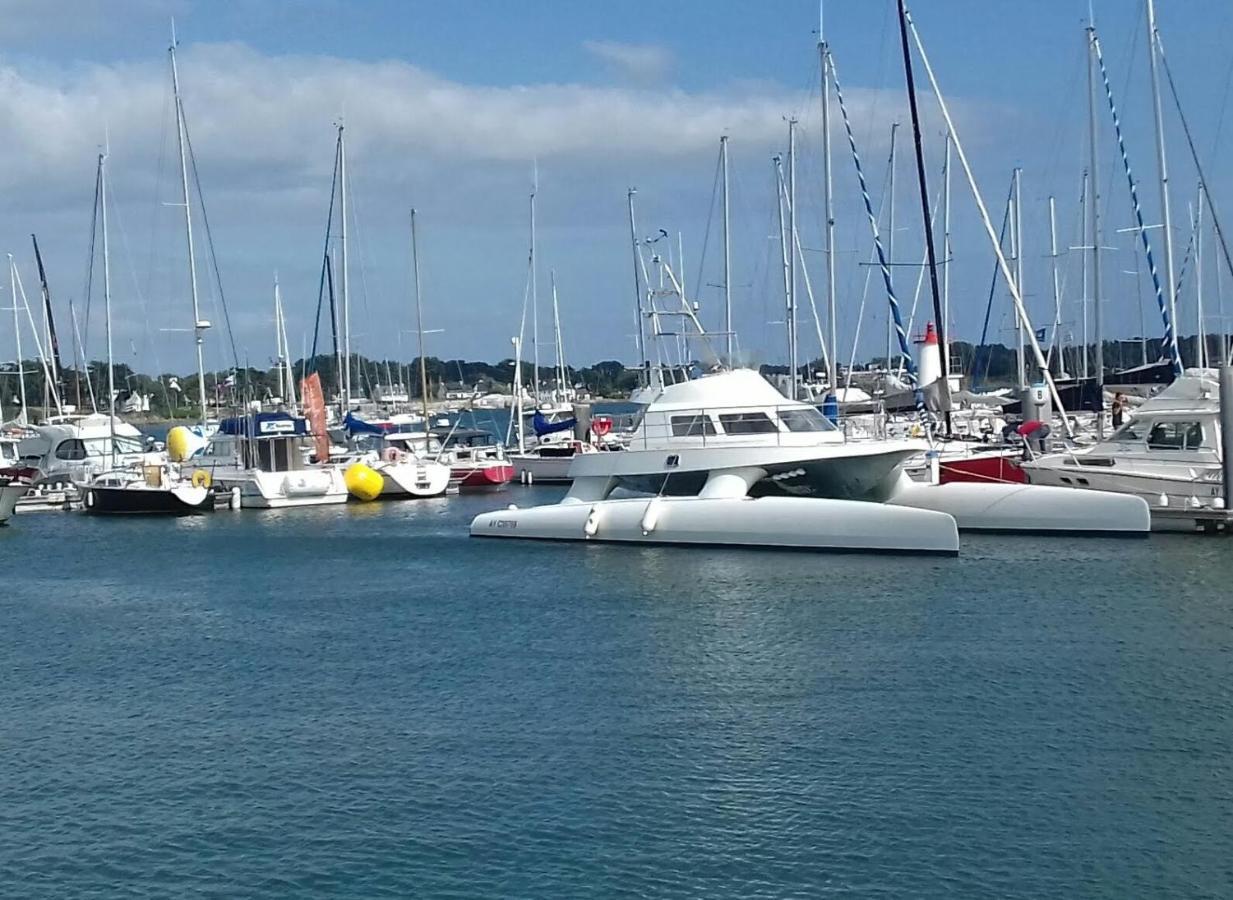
x=896 y=315
x=1169 y=350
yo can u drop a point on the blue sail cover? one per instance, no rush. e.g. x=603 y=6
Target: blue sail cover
x=260 y=425
x=359 y=426
x=542 y=426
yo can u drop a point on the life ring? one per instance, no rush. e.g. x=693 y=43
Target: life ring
x=916 y=431
x=391 y=454
x=201 y=479
x=601 y=425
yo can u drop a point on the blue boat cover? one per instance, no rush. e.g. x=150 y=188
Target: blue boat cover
x=356 y=425
x=542 y=426
x=276 y=424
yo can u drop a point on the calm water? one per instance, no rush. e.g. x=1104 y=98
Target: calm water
x=362 y=702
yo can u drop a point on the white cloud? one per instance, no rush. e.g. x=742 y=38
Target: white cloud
x=639 y=63
x=261 y=129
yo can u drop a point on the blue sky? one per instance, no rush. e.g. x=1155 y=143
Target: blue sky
x=448 y=104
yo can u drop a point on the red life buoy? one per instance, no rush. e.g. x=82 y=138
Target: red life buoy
x=390 y=454
x=601 y=425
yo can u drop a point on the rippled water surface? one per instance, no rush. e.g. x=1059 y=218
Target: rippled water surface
x=362 y=702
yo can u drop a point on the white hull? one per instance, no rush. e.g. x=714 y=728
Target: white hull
x=1030 y=509
x=541 y=469
x=413 y=479
x=283 y=490
x=1205 y=486
x=9 y=495
x=780 y=522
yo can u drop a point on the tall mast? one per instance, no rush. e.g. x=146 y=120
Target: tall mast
x=199 y=326
x=1198 y=281
x=111 y=375
x=419 y=321
x=1057 y=289
x=1093 y=194
x=534 y=297
x=792 y=360
x=785 y=252
x=832 y=373
x=890 y=235
x=1021 y=377
x=924 y=205
x=24 y=417
x=346 y=293
x=1083 y=301
x=556 y=332
x=946 y=251
x=1162 y=163
x=53 y=342
x=633 y=243
x=723 y=156
x=278 y=344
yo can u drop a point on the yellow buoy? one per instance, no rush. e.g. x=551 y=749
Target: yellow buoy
x=181 y=443
x=363 y=482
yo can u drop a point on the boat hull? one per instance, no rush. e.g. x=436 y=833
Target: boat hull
x=767 y=522
x=134 y=501
x=543 y=469
x=487 y=477
x=1029 y=509
x=9 y=495
x=278 y=490
x=402 y=481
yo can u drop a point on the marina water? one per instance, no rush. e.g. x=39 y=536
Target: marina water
x=360 y=701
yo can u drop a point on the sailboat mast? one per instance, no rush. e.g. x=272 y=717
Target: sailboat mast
x=346 y=293
x=946 y=249
x=198 y=325
x=931 y=251
x=1057 y=288
x=793 y=375
x=784 y=254
x=832 y=373
x=111 y=375
x=1093 y=199
x=534 y=299
x=419 y=317
x=1021 y=376
x=1198 y=281
x=890 y=236
x=21 y=366
x=1162 y=163
x=1083 y=301
x=723 y=156
x=633 y=242
x=556 y=330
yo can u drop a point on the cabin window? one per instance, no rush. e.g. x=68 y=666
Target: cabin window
x=805 y=420
x=747 y=423
x=1130 y=433
x=73 y=449
x=1175 y=436
x=696 y=425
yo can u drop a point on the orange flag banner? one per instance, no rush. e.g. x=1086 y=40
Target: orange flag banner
x=314 y=411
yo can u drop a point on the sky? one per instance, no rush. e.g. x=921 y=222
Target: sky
x=456 y=109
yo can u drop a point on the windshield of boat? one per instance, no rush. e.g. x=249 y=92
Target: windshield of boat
x=805 y=419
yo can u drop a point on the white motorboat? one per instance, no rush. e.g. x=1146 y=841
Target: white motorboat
x=78 y=448
x=262 y=459
x=1168 y=453
x=727 y=461
x=157 y=487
